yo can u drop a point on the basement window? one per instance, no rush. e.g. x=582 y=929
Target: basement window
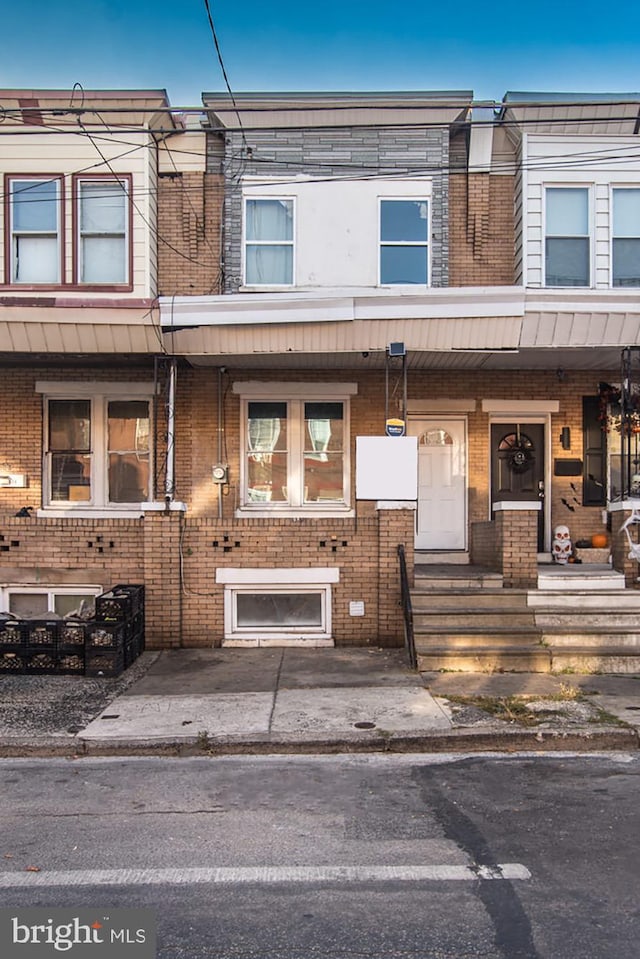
x=277 y=607
x=32 y=601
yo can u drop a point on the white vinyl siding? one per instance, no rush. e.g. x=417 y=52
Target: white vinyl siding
x=605 y=167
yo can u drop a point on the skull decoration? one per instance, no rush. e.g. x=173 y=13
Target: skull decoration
x=561 y=547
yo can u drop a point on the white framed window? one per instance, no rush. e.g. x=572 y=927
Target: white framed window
x=268 y=241
x=296 y=453
x=25 y=601
x=404 y=241
x=567 y=236
x=279 y=607
x=98 y=449
x=102 y=218
x=625 y=241
x=35 y=228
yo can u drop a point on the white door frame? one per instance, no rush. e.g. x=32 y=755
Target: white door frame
x=438 y=418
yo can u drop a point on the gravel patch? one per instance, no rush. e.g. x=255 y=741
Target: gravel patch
x=60 y=706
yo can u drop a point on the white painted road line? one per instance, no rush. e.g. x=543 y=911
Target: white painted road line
x=262 y=874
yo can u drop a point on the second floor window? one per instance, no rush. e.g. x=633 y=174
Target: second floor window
x=35 y=231
x=626 y=237
x=567 y=243
x=102 y=234
x=269 y=242
x=404 y=235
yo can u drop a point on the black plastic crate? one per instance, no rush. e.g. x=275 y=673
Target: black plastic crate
x=134 y=626
x=70 y=662
x=12 y=633
x=11 y=661
x=72 y=634
x=120 y=602
x=105 y=662
x=42 y=633
x=40 y=660
x=100 y=635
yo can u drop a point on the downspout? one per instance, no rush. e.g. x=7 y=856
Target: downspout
x=170 y=483
x=220 y=451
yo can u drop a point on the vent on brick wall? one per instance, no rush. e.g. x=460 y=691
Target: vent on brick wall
x=7 y=544
x=100 y=544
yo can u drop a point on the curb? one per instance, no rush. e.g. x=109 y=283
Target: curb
x=593 y=739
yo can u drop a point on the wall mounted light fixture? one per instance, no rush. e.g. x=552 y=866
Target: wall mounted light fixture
x=565 y=438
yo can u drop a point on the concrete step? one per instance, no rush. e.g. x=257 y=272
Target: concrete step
x=485 y=660
x=571 y=636
x=451 y=579
x=425 y=599
x=587 y=659
x=498 y=636
x=453 y=617
x=591 y=619
x=568 y=580
x=627 y=599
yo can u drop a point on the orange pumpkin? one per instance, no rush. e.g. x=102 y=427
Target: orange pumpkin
x=599 y=541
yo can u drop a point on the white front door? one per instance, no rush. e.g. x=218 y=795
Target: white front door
x=441 y=520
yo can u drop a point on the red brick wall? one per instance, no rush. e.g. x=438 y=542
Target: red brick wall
x=481 y=231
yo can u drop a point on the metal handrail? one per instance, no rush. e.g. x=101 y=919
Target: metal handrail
x=407 y=610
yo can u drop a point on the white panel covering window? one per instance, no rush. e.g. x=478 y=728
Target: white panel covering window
x=404 y=236
x=269 y=242
x=103 y=231
x=35 y=231
x=626 y=237
x=567 y=241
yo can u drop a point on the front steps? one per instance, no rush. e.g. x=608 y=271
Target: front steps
x=465 y=621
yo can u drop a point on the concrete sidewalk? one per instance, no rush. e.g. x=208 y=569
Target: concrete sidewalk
x=208 y=701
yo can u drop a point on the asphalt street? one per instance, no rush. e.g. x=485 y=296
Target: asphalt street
x=374 y=857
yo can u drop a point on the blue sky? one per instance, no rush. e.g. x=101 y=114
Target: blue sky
x=562 y=45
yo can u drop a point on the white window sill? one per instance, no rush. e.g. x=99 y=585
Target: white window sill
x=317 y=512
x=135 y=511
x=274 y=641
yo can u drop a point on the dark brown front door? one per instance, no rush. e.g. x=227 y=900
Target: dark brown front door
x=517 y=466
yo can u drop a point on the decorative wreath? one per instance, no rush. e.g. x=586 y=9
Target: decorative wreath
x=520 y=459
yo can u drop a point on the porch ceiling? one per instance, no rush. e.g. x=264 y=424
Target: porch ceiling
x=537 y=359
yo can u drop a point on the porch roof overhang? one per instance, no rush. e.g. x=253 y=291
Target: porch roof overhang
x=79 y=330
x=461 y=328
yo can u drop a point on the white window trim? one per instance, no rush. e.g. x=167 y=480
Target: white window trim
x=612 y=235
x=292 y=242
x=591 y=235
x=285 y=580
x=98 y=393
x=12 y=233
x=11 y=589
x=296 y=393
x=426 y=198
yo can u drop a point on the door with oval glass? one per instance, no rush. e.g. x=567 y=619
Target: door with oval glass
x=441 y=518
x=518 y=466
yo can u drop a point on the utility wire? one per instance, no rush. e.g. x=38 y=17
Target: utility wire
x=223 y=69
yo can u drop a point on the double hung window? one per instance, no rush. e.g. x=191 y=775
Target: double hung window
x=626 y=237
x=295 y=453
x=567 y=241
x=269 y=242
x=404 y=241
x=35 y=230
x=98 y=450
x=102 y=248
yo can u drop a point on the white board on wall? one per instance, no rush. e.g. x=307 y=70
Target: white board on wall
x=387 y=467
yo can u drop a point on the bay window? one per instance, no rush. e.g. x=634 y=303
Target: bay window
x=268 y=254
x=35 y=230
x=567 y=240
x=98 y=450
